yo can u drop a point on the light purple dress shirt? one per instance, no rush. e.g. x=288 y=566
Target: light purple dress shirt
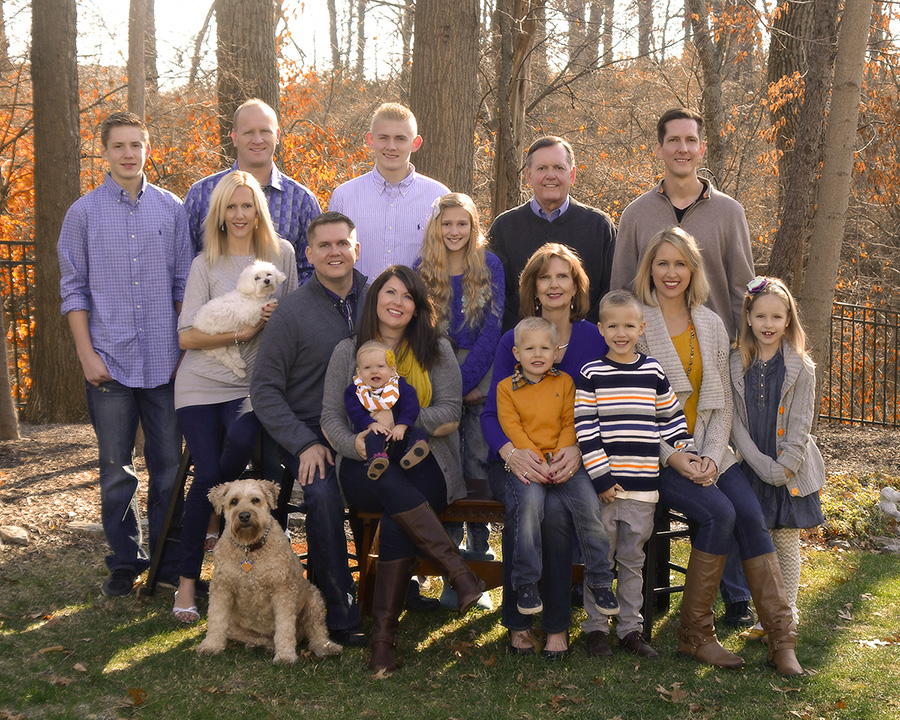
x=390 y=219
x=541 y=213
x=126 y=264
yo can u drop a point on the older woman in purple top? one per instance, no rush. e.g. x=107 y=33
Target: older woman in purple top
x=555 y=286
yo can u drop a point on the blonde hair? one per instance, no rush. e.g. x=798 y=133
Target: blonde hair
x=215 y=234
x=537 y=263
x=376 y=346
x=534 y=323
x=697 y=291
x=477 y=293
x=394 y=111
x=793 y=333
x=619 y=298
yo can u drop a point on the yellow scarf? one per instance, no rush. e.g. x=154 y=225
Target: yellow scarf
x=417 y=376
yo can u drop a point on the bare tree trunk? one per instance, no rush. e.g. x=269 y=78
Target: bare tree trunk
x=515 y=22
x=837 y=168
x=406 y=37
x=333 y=36
x=591 y=54
x=57 y=391
x=245 y=50
x=786 y=260
x=792 y=28
x=360 y=38
x=540 y=70
x=576 y=33
x=4 y=42
x=713 y=110
x=645 y=26
x=609 y=7
x=444 y=55
x=198 y=44
x=150 y=71
x=9 y=420
x=137 y=78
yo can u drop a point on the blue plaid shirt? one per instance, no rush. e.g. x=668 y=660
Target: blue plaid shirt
x=126 y=265
x=292 y=207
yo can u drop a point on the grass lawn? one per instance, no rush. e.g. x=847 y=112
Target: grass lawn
x=68 y=652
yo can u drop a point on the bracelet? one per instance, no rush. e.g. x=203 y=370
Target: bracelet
x=506 y=462
x=236 y=343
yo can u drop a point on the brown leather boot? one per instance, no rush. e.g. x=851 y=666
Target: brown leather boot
x=391 y=581
x=766 y=585
x=424 y=528
x=697 y=634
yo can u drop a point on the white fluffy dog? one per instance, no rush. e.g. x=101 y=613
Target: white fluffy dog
x=237 y=309
x=258 y=594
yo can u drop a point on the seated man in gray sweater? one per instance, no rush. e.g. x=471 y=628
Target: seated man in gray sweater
x=286 y=392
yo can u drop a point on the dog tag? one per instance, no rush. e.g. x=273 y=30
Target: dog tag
x=246 y=565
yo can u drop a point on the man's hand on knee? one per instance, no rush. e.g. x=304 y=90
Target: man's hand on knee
x=316 y=458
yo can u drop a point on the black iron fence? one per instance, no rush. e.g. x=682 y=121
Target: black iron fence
x=16 y=287
x=859 y=386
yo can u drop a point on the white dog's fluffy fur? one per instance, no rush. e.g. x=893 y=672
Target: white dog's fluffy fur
x=270 y=604
x=237 y=309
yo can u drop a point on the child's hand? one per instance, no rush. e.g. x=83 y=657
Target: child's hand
x=399 y=432
x=379 y=429
x=608 y=496
x=383 y=417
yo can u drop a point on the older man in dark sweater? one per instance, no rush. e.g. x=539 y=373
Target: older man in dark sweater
x=286 y=392
x=552 y=216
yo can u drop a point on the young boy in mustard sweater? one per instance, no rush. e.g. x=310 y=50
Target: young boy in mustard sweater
x=536 y=409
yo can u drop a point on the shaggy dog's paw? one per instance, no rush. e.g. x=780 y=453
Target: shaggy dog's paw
x=326 y=649
x=286 y=658
x=208 y=648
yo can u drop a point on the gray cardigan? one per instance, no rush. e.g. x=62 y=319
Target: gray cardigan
x=714 y=406
x=797 y=449
x=445 y=407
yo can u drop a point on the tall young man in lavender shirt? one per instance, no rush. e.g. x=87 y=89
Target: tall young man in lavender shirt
x=391 y=205
x=124 y=255
x=255 y=134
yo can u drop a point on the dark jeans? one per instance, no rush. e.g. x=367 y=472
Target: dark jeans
x=396 y=491
x=729 y=509
x=327 y=545
x=114 y=410
x=557 y=531
x=218 y=457
x=395 y=449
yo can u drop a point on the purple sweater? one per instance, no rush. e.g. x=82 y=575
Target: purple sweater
x=585 y=345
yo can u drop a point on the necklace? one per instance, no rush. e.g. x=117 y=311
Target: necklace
x=247 y=563
x=693 y=337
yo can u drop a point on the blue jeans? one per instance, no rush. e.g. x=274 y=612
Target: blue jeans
x=114 y=410
x=216 y=459
x=556 y=579
x=526 y=503
x=729 y=509
x=327 y=545
x=733 y=584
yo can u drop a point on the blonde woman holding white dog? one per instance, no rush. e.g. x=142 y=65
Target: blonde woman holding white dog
x=211 y=400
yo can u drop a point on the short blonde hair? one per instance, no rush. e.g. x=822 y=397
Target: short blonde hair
x=697 y=291
x=215 y=234
x=394 y=111
x=537 y=263
x=376 y=346
x=534 y=323
x=619 y=298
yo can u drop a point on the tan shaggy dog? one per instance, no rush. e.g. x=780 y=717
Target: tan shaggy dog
x=258 y=594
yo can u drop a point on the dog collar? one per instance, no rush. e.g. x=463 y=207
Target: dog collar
x=247 y=563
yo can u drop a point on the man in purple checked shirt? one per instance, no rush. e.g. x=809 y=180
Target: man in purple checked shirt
x=255 y=134
x=124 y=255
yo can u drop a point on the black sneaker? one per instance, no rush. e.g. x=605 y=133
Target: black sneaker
x=739 y=614
x=604 y=600
x=119 y=583
x=349 y=637
x=528 y=600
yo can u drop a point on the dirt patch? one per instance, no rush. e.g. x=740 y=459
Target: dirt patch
x=49 y=477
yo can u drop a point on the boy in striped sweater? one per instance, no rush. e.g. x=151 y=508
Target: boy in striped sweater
x=624 y=406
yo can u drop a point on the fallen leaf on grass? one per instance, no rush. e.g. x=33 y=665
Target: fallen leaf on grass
x=468 y=676
x=137 y=695
x=777 y=688
x=490 y=662
x=212 y=690
x=557 y=699
x=382 y=674
x=675 y=695
x=369 y=713
x=61 y=681
x=80 y=667
x=845 y=614
x=11 y=714
x=461 y=648
x=51 y=649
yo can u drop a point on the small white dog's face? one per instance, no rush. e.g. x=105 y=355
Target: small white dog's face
x=246 y=505
x=259 y=280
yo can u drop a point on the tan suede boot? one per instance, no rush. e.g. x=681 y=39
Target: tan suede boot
x=391 y=581
x=424 y=528
x=697 y=634
x=767 y=588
